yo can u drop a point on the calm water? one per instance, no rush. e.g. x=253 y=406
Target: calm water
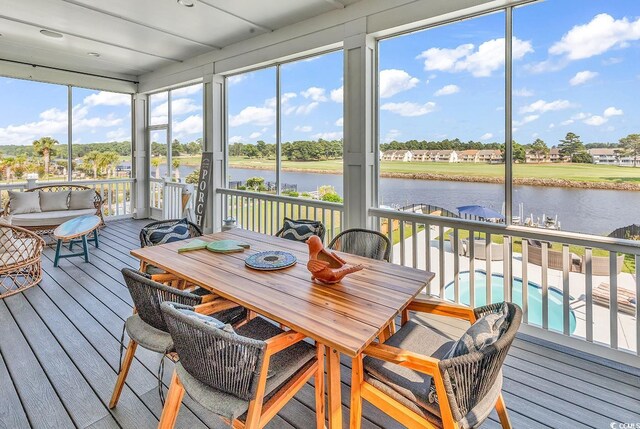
x=579 y=210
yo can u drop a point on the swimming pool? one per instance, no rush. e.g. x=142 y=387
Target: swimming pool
x=534 y=295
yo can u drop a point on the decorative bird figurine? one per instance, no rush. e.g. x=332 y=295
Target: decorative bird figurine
x=325 y=266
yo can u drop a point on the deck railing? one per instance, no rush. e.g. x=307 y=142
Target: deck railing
x=116 y=193
x=264 y=213
x=169 y=200
x=579 y=286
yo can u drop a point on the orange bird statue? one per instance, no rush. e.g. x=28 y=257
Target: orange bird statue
x=325 y=266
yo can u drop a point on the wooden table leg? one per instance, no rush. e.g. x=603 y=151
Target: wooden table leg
x=333 y=389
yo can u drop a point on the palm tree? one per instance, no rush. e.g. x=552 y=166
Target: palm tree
x=155 y=163
x=176 y=168
x=45 y=146
x=93 y=159
x=108 y=161
x=7 y=165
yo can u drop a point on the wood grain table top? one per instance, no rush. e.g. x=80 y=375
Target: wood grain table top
x=346 y=316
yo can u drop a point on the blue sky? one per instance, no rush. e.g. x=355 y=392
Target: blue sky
x=576 y=68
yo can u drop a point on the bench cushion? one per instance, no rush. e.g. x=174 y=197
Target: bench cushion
x=49 y=218
x=82 y=199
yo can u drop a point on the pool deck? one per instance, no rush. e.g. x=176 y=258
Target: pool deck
x=626 y=322
x=59 y=357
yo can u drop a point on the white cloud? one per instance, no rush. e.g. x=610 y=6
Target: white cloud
x=337 y=94
x=340 y=122
x=187 y=90
x=118 y=134
x=335 y=135
x=305 y=109
x=582 y=77
x=104 y=98
x=482 y=62
x=612 y=111
x=542 y=106
x=286 y=97
x=303 y=128
x=523 y=92
x=255 y=135
x=602 y=33
x=525 y=120
x=392 y=135
x=191 y=125
x=595 y=120
x=179 y=106
x=314 y=93
x=447 y=90
x=486 y=136
x=235 y=139
x=409 y=109
x=394 y=81
x=265 y=115
x=232 y=80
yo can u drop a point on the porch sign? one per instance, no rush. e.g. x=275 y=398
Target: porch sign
x=204 y=183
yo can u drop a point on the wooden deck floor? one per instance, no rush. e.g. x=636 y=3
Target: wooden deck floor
x=59 y=356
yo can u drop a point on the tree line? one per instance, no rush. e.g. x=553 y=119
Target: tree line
x=299 y=150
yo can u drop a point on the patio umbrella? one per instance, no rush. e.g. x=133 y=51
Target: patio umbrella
x=480 y=211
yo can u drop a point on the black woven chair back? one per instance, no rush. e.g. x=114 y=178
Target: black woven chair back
x=223 y=360
x=147 y=230
x=469 y=378
x=363 y=242
x=147 y=296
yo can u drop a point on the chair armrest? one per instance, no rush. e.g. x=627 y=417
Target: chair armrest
x=214 y=306
x=408 y=359
x=282 y=341
x=442 y=308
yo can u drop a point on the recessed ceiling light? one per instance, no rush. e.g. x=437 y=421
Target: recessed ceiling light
x=51 y=34
x=187 y=3
x=93 y=54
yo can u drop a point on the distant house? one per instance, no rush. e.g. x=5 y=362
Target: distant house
x=534 y=156
x=420 y=155
x=397 y=155
x=490 y=156
x=555 y=156
x=605 y=156
x=446 y=156
x=470 y=155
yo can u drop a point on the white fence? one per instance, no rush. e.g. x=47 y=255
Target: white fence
x=170 y=200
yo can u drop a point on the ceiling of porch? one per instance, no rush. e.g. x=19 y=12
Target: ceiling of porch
x=136 y=37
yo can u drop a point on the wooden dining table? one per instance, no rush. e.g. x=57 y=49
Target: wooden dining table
x=344 y=317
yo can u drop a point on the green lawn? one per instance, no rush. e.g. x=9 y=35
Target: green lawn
x=573 y=172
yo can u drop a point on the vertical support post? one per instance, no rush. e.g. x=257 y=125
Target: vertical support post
x=508 y=109
x=360 y=182
x=141 y=158
x=215 y=137
x=69 y=133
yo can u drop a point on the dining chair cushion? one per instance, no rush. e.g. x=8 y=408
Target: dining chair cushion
x=52 y=201
x=82 y=199
x=301 y=230
x=153 y=270
x=282 y=366
x=484 y=332
x=168 y=234
x=412 y=388
x=24 y=202
x=413 y=385
x=147 y=336
x=208 y=320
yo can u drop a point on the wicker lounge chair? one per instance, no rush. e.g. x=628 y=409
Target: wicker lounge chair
x=479 y=249
x=627 y=300
x=245 y=376
x=363 y=242
x=20 y=259
x=399 y=375
x=147 y=327
x=600 y=265
x=554 y=259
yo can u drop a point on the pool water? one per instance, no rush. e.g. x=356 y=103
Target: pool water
x=534 y=296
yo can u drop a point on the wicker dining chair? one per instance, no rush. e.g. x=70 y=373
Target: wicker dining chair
x=158 y=274
x=412 y=378
x=147 y=327
x=363 y=242
x=245 y=376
